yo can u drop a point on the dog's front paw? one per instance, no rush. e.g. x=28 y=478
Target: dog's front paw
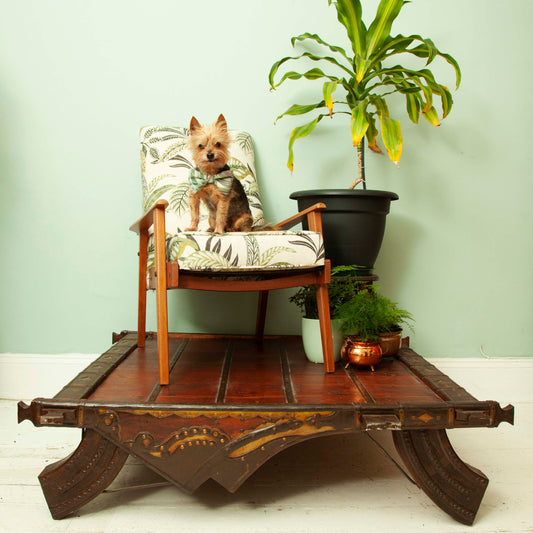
x=192 y=228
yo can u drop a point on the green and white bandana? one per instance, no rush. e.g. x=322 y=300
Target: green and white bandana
x=223 y=180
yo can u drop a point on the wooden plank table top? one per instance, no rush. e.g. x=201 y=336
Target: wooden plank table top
x=223 y=370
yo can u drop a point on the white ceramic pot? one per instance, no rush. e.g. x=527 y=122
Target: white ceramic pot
x=313 y=343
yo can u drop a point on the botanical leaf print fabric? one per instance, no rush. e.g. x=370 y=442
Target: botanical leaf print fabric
x=199 y=250
x=257 y=250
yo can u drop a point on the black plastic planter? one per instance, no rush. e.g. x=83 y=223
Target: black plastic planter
x=353 y=222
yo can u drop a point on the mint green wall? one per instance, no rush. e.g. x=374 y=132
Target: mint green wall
x=78 y=79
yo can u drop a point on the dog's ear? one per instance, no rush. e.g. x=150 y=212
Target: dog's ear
x=195 y=125
x=221 y=122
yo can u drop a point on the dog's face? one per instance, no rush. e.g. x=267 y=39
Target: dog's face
x=209 y=145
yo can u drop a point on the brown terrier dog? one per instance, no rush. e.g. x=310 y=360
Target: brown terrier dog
x=213 y=182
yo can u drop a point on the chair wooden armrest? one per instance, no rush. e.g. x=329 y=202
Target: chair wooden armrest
x=147 y=219
x=311 y=213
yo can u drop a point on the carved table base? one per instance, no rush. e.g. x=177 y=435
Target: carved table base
x=454 y=486
x=74 y=481
x=233 y=404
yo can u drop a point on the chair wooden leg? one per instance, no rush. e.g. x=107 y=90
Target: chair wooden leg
x=141 y=316
x=261 y=315
x=325 y=327
x=161 y=296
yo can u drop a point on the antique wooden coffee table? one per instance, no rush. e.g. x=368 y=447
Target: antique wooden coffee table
x=234 y=403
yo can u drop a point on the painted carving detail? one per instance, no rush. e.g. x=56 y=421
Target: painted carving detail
x=179 y=441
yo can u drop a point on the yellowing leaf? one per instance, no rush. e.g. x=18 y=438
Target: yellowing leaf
x=432 y=117
x=298 y=133
x=371 y=136
x=359 y=124
x=328 y=89
x=391 y=134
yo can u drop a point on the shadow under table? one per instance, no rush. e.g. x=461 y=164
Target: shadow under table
x=234 y=403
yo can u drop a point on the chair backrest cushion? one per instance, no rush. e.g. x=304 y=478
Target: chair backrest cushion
x=166 y=162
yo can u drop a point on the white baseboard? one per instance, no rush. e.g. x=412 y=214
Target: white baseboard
x=27 y=376
x=506 y=380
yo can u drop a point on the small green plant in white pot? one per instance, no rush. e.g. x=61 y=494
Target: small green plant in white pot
x=340 y=290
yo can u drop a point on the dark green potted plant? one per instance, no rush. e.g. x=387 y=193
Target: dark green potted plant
x=368 y=316
x=341 y=290
x=358 y=85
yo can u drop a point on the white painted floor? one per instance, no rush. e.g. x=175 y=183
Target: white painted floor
x=336 y=484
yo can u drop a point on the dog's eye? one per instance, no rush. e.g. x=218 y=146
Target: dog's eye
x=217 y=145
x=201 y=146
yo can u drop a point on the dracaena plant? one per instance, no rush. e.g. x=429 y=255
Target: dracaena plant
x=359 y=83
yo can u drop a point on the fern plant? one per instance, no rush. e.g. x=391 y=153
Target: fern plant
x=368 y=313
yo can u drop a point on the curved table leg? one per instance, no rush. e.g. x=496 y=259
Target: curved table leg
x=74 y=481
x=454 y=486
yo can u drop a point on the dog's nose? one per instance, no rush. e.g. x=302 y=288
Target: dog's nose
x=210 y=156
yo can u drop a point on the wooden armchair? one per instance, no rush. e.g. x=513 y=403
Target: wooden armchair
x=233 y=262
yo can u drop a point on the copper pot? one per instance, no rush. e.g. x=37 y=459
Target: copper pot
x=359 y=353
x=390 y=342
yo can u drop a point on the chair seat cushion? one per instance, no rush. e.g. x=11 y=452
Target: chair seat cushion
x=254 y=250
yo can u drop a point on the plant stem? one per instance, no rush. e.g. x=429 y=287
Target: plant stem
x=361 y=178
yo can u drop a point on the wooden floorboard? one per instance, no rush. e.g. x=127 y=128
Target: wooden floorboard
x=220 y=370
x=312 y=385
x=392 y=382
x=196 y=376
x=256 y=374
x=134 y=379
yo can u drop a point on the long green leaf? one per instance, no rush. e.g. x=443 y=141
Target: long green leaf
x=400 y=84
x=428 y=94
x=313 y=74
x=455 y=65
x=328 y=89
x=397 y=70
x=413 y=107
x=298 y=133
x=359 y=123
x=400 y=45
x=394 y=45
x=431 y=116
x=445 y=96
x=432 y=50
x=423 y=51
x=298 y=109
x=350 y=15
x=379 y=103
x=428 y=50
x=391 y=133
x=447 y=101
x=319 y=40
x=362 y=66
x=275 y=67
x=379 y=30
